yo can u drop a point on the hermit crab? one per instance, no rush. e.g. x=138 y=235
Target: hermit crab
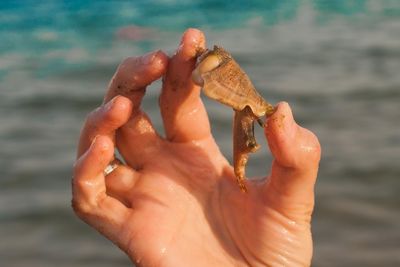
x=223 y=80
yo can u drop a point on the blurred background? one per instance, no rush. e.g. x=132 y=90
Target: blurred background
x=336 y=62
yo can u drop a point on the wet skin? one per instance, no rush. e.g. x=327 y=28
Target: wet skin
x=176 y=202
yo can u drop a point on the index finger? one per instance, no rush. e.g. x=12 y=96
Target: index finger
x=104 y=120
x=128 y=83
x=134 y=74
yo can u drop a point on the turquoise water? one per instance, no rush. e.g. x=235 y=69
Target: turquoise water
x=336 y=62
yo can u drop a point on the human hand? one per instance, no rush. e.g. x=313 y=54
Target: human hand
x=176 y=201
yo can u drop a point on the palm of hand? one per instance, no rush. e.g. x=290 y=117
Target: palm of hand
x=176 y=202
x=186 y=205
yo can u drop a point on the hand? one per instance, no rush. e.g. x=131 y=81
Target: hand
x=176 y=201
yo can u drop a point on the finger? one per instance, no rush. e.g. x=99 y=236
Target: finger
x=134 y=74
x=296 y=153
x=104 y=121
x=120 y=183
x=138 y=141
x=90 y=201
x=183 y=112
x=130 y=80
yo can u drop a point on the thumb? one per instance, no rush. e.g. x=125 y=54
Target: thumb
x=296 y=153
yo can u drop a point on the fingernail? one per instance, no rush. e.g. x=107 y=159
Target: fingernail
x=149 y=57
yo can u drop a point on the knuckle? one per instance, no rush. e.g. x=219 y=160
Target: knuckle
x=78 y=186
x=83 y=199
x=82 y=203
x=314 y=143
x=309 y=149
x=104 y=115
x=93 y=115
x=80 y=208
x=112 y=118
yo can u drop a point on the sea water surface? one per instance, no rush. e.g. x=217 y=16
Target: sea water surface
x=336 y=62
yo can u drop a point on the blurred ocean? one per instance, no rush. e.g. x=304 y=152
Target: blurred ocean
x=337 y=62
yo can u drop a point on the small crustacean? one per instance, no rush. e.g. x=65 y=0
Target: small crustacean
x=223 y=80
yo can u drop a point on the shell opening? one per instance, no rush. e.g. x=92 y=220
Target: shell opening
x=207 y=64
x=196 y=77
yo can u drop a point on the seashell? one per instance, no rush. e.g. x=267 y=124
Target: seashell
x=223 y=80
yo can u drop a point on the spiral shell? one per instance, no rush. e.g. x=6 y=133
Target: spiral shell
x=223 y=80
